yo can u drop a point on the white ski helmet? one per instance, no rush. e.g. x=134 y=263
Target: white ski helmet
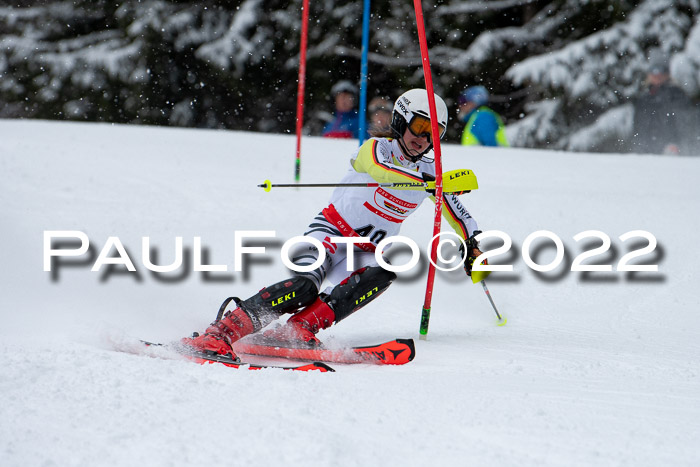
x=412 y=104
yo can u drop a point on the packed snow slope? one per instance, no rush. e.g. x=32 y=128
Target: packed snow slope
x=593 y=368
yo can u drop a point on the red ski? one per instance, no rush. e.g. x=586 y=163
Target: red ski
x=229 y=362
x=396 y=352
x=175 y=351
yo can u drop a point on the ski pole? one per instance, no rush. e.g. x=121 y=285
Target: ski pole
x=406 y=186
x=501 y=320
x=455 y=181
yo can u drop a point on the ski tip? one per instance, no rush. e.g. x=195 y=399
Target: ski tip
x=323 y=367
x=151 y=344
x=315 y=366
x=411 y=346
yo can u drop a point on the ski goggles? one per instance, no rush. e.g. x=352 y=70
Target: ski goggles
x=421 y=126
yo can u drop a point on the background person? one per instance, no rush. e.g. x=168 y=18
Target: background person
x=664 y=117
x=345 y=122
x=380 y=110
x=483 y=126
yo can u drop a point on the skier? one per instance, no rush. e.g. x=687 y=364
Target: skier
x=398 y=154
x=482 y=126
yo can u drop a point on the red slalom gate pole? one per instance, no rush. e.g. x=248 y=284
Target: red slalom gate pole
x=302 y=85
x=425 y=315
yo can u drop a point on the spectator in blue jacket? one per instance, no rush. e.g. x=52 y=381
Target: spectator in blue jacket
x=345 y=123
x=483 y=126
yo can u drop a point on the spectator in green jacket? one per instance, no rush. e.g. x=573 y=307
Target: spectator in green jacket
x=483 y=126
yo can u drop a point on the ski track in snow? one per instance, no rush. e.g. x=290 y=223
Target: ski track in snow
x=591 y=369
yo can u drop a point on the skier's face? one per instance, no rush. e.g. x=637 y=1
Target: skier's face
x=415 y=144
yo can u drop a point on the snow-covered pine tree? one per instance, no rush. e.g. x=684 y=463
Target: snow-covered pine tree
x=581 y=89
x=561 y=71
x=205 y=64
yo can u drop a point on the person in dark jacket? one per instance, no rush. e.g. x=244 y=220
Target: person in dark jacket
x=663 y=115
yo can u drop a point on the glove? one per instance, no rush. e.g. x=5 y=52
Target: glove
x=429 y=178
x=472 y=252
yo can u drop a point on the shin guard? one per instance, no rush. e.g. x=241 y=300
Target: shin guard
x=286 y=296
x=363 y=286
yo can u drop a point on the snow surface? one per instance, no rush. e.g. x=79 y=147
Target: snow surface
x=591 y=369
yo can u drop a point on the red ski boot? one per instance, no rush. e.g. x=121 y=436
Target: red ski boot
x=223 y=332
x=303 y=326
